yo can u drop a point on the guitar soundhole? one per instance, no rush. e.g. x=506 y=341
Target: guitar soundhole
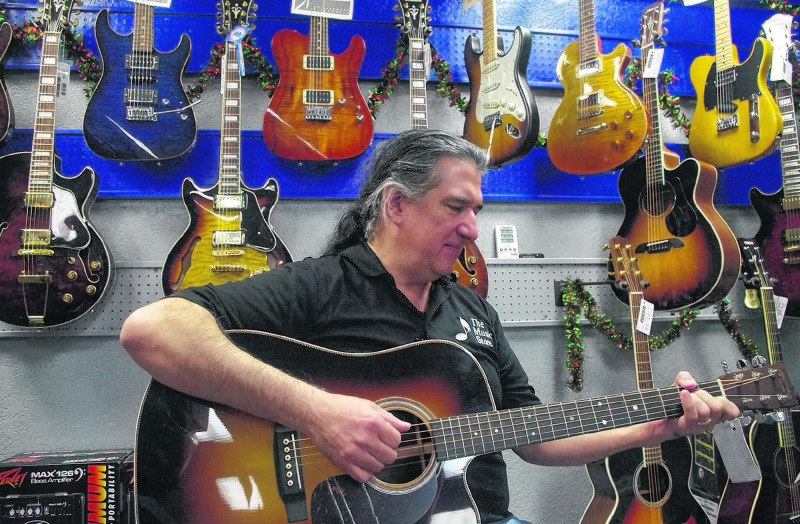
x=415 y=457
x=786 y=466
x=653 y=484
x=657 y=202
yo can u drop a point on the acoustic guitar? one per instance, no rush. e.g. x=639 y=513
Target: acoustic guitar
x=502 y=116
x=470 y=268
x=139 y=110
x=317 y=111
x=198 y=462
x=6 y=108
x=685 y=249
x=649 y=485
x=55 y=266
x=600 y=124
x=229 y=236
x=778 y=236
x=736 y=119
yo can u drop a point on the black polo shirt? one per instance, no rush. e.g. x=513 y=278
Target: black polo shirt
x=349 y=302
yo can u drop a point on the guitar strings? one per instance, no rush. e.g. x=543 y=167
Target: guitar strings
x=555 y=420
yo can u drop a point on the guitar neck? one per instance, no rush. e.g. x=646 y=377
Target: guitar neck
x=468 y=435
x=230 y=138
x=318 y=36
x=41 y=170
x=655 y=153
x=722 y=31
x=418 y=80
x=587 y=35
x=142 y=28
x=789 y=146
x=489 y=54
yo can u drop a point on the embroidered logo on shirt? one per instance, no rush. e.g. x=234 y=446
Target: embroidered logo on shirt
x=478 y=330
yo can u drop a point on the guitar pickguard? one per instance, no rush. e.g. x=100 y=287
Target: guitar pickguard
x=742 y=81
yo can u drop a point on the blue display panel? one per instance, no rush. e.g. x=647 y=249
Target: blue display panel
x=553 y=25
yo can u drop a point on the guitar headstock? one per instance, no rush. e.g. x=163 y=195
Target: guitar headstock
x=56 y=14
x=652 y=30
x=778 y=30
x=626 y=267
x=765 y=388
x=754 y=274
x=234 y=13
x=414 y=17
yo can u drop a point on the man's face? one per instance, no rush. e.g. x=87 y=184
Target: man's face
x=440 y=224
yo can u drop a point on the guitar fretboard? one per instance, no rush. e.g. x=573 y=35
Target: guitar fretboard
x=587 y=35
x=417 y=75
x=41 y=171
x=230 y=140
x=489 y=53
x=142 y=28
x=722 y=31
x=790 y=156
x=318 y=36
x=654 y=155
x=468 y=435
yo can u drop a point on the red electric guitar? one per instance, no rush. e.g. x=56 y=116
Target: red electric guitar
x=685 y=249
x=317 y=112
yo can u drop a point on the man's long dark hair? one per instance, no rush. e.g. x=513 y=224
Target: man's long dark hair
x=407 y=164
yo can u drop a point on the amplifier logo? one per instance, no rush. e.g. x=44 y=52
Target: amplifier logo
x=12 y=477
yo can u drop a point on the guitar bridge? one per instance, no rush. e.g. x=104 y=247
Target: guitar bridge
x=289 y=473
x=45 y=278
x=228 y=268
x=661 y=246
x=727 y=122
x=319 y=113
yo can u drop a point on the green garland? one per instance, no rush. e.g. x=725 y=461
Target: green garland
x=746 y=346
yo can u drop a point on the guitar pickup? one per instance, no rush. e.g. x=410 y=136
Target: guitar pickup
x=727 y=122
x=318 y=63
x=136 y=95
x=230 y=202
x=789 y=236
x=39 y=200
x=35 y=237
x=790 y=203
x=227 y=238
x=319 y=112
x=145 y=62
x=661 y=246
x=317 y=97
x=140 y=114
x=490 y=87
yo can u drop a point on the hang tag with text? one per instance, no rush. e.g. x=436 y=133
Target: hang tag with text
x=154 y=3
x=653 y=66
x=645 y=319
x=236 y=36
x=780 y=309
x=62 y=78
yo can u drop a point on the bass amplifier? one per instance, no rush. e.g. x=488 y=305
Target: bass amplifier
x=56 y=508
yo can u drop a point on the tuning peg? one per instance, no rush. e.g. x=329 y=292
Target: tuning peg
x=219 y=28
x=605 y=247
x=254 y=7
x=645 y=284
x=397 y=17
x=636 y=43
x=428 y=9
x=428 y=19
x=396 y=7
x=252 y=16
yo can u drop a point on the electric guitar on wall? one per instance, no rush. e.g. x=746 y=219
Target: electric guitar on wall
x=139 y=109
x=650 y=485
x=778 y=237
x=6 y=109
x=198 y=462
x=774 y=445
x=229 y=236
x=470 y=268
x=600 y=124
x=317 y=111
x=685 y=249
x=736 y=119
x=55 y=266
x=502 y=116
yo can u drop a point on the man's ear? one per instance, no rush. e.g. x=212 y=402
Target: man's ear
x=395 y=202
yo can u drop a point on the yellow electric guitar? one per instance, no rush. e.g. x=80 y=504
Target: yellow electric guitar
x=737 y=119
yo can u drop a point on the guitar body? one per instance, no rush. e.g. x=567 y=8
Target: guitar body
x=776 y=243
x=79 y=267
x=199 y=462
x=779 y=496
x=6 y=109
x=596 y=134
x=734 y=145
x=471 y=271
x=622 y=478
x=709 y=476
x=109 y=132
x=287 y=131
x=694 y=258
x=510 y=102
x=738 y=502
x=191 y=259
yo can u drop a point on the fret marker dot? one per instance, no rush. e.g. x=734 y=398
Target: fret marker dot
x=636 y=408
x=571 y=419
x=604 y=422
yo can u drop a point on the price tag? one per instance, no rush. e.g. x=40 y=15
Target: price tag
x=62 y=79
x=780 y=309
x=236 y=36
x=689 y=3
x=341 y=9
x=645 y=319
x=652 y=66
x=154 y=3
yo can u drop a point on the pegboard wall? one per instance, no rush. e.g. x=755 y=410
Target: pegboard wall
x=523 y=291
x=553 y=25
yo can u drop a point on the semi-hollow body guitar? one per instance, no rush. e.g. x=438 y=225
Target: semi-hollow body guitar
x=55 y=266
x=139 y=110
x=6 y=108
x=600 y=124
x=199 y=462
x=736 y=119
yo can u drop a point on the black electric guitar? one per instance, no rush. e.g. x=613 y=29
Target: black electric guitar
x=229 y=236
x=6 y=108
x=778 y=237
x=774 y=445
x=502 y=116
x=650 y=485
x=685 y=249
x=55 y=266
x=470 y=268
x=198 y=462
x=736 y=119
x=139 y=110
